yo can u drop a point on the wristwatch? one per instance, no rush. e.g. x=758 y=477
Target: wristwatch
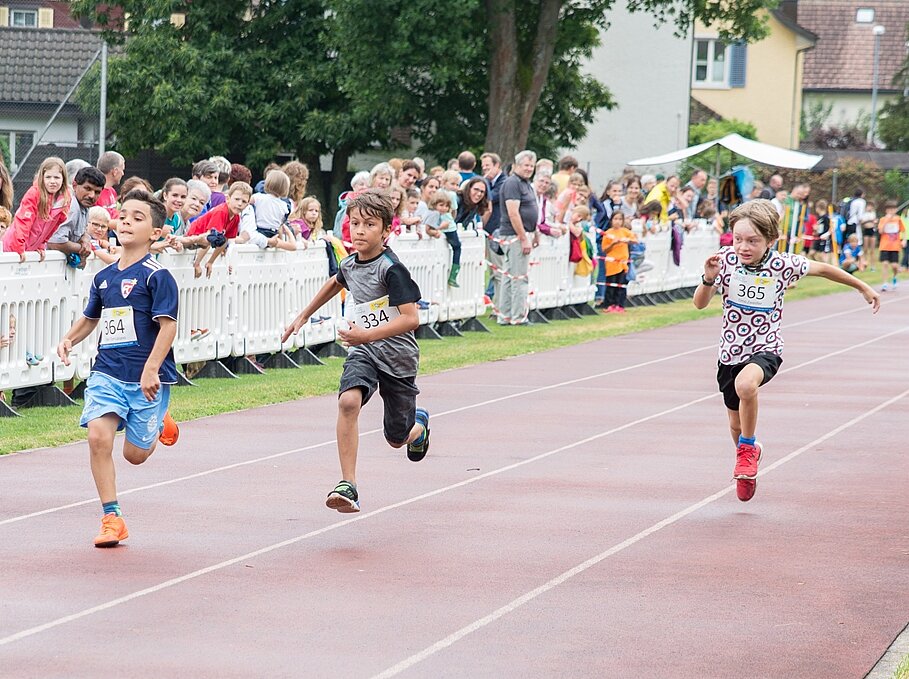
x=709 y=284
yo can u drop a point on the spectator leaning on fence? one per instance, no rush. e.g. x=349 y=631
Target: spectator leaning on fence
x=214 y=229
x=519 y=226
x=43 y=208
x=71 y=238
x=197 y=195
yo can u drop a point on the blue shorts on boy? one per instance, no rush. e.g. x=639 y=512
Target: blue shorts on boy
x=128 y=303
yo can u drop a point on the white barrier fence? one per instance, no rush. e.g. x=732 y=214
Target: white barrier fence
x=243 y=309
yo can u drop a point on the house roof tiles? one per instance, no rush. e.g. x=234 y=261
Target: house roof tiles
x=39 y=65
x=843 y=58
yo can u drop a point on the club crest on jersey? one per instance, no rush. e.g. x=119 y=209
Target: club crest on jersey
x=126 y=286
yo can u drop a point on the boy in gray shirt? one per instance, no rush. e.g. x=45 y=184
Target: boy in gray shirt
x=381 y=315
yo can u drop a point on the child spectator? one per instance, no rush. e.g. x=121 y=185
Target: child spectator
x=306 y=219
x=568 y=198
x=410 y=220
x=113 y=167
x=439 y=222
x=823 y=233
x=451 y=182
x=358 y=184
x=752 y=280
x=650 y=213
x=129 y=387
x=173 y=195
x=41 y=212
x=579 y=249
x=614 y=247
x=868 y=221
x=383 y=352
x=215 y=228
x=97 y=230
x=272 y=207
x=891 y=230
x=852 y=257
x=264 y=222
x=397 y=206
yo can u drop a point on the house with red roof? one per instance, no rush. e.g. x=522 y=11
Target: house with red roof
x=839 y=71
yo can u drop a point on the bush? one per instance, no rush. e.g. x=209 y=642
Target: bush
x=714 y=129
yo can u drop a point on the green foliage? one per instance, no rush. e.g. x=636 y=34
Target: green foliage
x=815 y=115
x=4 y=150
x=895 y=185
x=708 y=131
x=893 y=124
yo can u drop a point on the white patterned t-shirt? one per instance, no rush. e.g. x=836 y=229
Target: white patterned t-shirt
x=753 y=303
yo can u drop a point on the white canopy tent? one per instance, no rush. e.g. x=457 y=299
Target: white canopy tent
x=754 y=150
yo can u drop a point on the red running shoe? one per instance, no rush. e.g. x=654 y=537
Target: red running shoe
x=746 y=461
x=744 y=488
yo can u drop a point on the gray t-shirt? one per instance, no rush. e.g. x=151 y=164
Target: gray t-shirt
x=72 y=229
x=518 y=188
x=371 y=280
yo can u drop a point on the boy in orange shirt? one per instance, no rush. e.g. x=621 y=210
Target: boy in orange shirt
x=615 y=249
x=891 y=230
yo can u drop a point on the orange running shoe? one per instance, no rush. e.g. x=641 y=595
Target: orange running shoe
x=171 y=432
x=113 y=529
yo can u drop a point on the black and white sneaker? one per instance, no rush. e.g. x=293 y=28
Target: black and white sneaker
x=417 y=451
x=344 y=498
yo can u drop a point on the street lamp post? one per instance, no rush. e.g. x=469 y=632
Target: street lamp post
x=878 y=31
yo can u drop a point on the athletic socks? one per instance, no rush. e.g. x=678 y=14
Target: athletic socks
x=746 y=440
x=422 y=437
x=112 y=508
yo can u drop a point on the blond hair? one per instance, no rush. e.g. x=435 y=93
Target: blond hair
x=98 y=213
x=242 y=187
x=763 y=217
x=300 y=213
x=277 y=184
x=582 y=210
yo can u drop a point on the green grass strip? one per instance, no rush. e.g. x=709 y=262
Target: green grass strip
x=40 y=427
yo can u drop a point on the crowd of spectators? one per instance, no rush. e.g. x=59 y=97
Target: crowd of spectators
x=73 y=208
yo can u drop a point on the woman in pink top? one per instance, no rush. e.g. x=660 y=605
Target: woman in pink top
x=43 y=208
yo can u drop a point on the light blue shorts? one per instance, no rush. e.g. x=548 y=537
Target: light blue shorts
x=142 y=419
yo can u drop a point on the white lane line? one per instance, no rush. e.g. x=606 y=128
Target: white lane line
x=236 y=465
x=593 y=561
x=397 y=505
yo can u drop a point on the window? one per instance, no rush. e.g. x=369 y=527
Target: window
x=710 y=64
x=23 y=18
x=864 y=15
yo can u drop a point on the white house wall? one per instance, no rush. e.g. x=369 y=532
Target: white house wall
x=648 y=71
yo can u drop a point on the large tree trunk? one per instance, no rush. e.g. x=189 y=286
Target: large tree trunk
x=516 y=80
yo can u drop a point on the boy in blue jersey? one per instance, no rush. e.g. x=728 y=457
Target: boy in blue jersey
x=384 y=356
x=135 y=300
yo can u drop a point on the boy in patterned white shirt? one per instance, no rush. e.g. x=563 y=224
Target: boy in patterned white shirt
x=752 y=279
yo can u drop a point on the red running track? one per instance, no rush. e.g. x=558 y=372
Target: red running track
x=574 y=518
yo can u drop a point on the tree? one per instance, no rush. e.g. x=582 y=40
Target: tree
x=429 y=70
x=714 y=129
x=893 y=122
x=230 y=81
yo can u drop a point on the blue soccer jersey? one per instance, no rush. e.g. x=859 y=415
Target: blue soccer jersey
x=127 y=303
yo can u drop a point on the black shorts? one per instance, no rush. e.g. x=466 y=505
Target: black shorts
x=869 y=233
x=821 y=245
x=726 y=374
x=399 y=394
x=891 y=256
